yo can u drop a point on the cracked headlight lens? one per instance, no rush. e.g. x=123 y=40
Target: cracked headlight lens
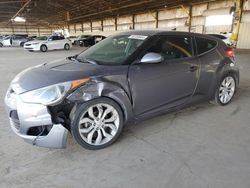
x=47 y=95
x=51 y=94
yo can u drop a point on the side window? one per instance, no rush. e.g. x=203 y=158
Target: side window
x=18 y=37
x=54 y=38
x=204 y=45
x=173 y=47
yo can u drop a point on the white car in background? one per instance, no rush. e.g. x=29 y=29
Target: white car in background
x=72 y=39
x=51 y=43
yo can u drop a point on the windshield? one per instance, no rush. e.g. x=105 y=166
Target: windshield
x=112 y=50
x=41 y=38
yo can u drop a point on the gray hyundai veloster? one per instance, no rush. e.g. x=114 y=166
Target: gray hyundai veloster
x=125 y=78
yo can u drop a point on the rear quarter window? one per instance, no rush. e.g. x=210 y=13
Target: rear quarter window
x=204 y=45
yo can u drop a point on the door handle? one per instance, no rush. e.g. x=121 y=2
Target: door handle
x=193 y=68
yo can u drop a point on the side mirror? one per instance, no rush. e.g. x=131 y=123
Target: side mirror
x=152 y=57
x=72 y=57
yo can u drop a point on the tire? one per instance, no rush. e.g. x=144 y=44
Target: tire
x=94 y=133
x=86 y=44
x=225 y=90
x=43 y=48
x=1 y=44
x=66 y=46
x=22 y=44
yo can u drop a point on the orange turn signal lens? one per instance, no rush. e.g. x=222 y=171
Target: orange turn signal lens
x=77 y=83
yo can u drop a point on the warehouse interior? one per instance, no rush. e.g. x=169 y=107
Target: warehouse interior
x=109 y=17
x=201 y=146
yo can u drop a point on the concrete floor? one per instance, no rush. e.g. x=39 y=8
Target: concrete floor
x=199 y=147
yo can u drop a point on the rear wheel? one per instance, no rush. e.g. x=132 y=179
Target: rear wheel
x=226 y=90
x=66 y=47
x=22 y=44
x=43 y=48
x=97 y=124
x=1 y=44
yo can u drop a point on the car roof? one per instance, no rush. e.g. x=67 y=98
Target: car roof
x=159 y=32
x=166 y=32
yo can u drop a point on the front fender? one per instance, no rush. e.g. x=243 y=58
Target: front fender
x=97 y=89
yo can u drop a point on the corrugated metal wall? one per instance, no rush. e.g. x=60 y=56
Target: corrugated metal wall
x=168 y=19
x=173 y=19
x=22 y=29
x=244 y=39
x=124 y=23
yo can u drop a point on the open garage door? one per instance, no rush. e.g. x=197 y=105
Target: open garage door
x=218 y=20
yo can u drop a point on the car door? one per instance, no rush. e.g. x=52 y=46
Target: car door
x=7 y=41
x=60 y=42
x=16 y=40
x=52 y=42
x=169 y=83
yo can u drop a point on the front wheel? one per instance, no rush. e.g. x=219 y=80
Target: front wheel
x=43 y=48
x=97 y=124
x=225 y=90
x=66 y=47
x=1 y=44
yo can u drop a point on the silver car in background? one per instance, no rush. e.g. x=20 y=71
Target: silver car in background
x=14 y=40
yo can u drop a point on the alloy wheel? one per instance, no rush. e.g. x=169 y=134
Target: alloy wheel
x=99 y=124
x=227 y=89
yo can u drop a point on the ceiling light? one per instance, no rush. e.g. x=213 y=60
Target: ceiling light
x=19 y=19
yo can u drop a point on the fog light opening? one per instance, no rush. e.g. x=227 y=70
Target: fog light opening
x=39 y=130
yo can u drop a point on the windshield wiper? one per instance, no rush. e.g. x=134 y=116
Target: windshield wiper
x=72 y=58
x=85 y=60
x=92 y=61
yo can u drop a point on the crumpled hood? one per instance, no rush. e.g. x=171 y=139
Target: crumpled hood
x=57 y=72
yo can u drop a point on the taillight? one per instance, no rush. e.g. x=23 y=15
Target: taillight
x=230 y=52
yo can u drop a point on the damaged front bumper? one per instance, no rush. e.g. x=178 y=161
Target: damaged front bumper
x=33 y=123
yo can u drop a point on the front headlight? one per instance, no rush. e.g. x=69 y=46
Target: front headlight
x=51 y=94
